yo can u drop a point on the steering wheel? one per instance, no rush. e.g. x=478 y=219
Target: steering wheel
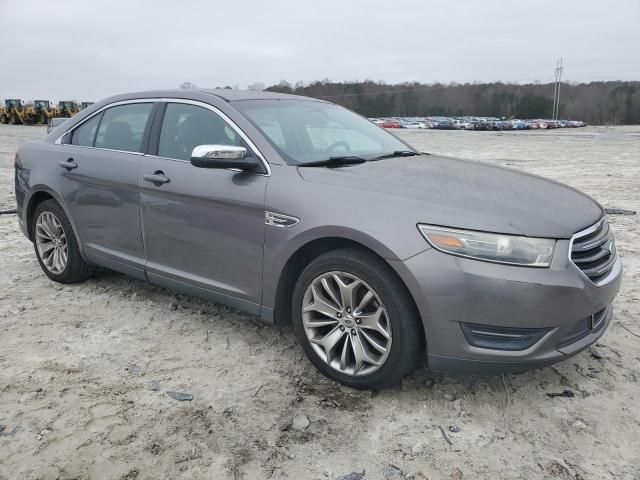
x=340 y=143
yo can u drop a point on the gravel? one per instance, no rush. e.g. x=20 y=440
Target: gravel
x=64 y=350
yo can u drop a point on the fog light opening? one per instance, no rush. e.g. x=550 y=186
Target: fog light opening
x=502 y=338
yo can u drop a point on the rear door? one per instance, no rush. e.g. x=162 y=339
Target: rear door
x=98 y=182
x=203 y=228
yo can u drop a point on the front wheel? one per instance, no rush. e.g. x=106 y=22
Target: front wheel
x=56 y=245
x=355 y=320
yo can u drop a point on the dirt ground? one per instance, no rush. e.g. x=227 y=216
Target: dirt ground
x=84 y=369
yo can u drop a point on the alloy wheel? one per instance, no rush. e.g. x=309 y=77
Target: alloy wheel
x=346 y=323
x=51 y=242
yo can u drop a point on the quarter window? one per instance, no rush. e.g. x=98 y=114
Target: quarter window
x=122 y=127
x=85 y=134
x=185 y=126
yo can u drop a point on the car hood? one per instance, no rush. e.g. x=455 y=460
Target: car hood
x=468 y=194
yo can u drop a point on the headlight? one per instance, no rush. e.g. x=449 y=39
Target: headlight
x=490 y=247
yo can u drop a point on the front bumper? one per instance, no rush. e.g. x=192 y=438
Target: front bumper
x=449 y=290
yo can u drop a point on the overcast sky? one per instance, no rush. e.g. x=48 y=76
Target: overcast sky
x=87 y=50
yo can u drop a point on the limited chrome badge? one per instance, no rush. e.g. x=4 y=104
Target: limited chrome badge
x=279 y=220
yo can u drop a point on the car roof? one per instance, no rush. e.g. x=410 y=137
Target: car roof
x=234 y=95
x=227 y=95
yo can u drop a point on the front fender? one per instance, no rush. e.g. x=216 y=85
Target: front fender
x=281 y=244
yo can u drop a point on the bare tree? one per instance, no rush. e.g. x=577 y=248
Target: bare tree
x=256 y=87
x=594 y=102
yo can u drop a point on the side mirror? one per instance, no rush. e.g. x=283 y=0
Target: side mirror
x=222 y=156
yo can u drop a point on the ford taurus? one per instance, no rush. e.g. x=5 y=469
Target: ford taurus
x=307 y=215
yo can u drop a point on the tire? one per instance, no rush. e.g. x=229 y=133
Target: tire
x=405 y=342
x=75 y=269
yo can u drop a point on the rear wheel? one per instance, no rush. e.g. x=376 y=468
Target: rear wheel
x=355 y=320
x=56 y=245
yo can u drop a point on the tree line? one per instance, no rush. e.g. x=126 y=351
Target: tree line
x=614 y=102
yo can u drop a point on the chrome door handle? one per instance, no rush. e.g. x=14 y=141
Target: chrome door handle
x=156 y=178
x=68 y=164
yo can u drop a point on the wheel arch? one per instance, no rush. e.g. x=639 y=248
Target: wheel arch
x=303 y=255
x=42 y=193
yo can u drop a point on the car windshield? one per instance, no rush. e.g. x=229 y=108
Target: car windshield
x=306 y=131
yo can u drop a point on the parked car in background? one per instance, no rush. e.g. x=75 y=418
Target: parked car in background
x=462 y=124
x=474 y=123
x=54 y=122
x=416 y=126
x=390 y=124
x=246 y=198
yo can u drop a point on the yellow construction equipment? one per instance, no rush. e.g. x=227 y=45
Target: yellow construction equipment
x=13 y=112
x=67 y=108
x=40 y=112
x=85 y=105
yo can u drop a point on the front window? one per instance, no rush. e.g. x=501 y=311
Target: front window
x=185 y=126
x=308 y=131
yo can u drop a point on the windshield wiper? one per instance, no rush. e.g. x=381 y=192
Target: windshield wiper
x=334 y=162
x=397 y=153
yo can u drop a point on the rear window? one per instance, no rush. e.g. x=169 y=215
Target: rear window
x=122 y=127
x=85 y=134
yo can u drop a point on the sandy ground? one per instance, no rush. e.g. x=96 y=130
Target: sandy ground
x=84 y=369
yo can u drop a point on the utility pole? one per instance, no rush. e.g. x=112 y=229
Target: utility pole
x=556 y=89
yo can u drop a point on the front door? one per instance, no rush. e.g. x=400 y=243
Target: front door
x=203 y=228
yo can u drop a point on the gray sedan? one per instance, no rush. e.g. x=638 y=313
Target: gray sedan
x=307 y=215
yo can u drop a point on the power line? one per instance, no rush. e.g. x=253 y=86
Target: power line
x=556 y=89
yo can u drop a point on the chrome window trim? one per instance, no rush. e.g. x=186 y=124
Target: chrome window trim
x=129 y=152
x=197 y=103
x=617 y=266
x=58 y=140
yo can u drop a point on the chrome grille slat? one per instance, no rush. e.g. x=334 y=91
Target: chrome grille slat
x=600 y=268
x=593 y=251
x=589 y=242
x=589 y=258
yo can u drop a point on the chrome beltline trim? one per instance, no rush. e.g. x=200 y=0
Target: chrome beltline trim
x=215 y=110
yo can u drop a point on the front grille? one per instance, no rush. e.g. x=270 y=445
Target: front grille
x=594 y=252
